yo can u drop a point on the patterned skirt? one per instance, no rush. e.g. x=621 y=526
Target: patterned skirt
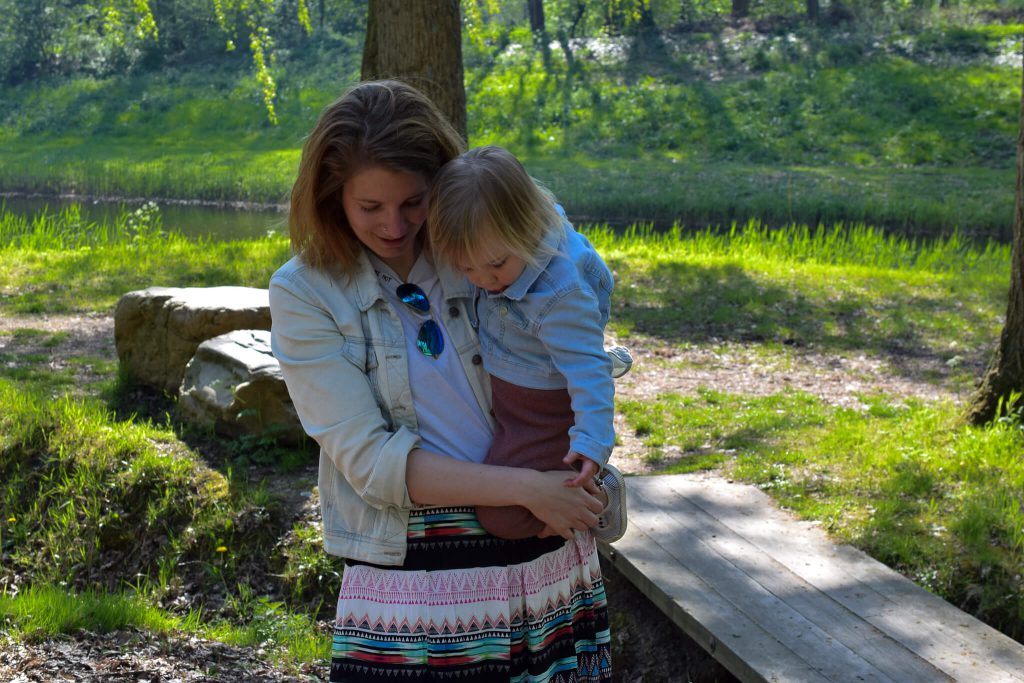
x=468 y=606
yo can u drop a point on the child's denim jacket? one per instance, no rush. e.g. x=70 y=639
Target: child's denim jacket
x=546 y=331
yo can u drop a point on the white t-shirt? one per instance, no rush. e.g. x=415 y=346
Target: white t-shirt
x=450 y=420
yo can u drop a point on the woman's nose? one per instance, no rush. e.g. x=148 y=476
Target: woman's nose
x=394 y=223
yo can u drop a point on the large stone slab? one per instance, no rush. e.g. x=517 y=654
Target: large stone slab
x=157 y=330
x=233 y=384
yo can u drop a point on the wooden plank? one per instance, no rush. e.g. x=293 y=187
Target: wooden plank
x=695 y=549
x=955 y=642
x=774 y=600
x=706 y=616
x=872 y=653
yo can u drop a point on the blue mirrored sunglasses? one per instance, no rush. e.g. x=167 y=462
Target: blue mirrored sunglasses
x=429 y=341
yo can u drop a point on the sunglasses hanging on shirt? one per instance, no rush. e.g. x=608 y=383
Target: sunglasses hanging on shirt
x=429 y=341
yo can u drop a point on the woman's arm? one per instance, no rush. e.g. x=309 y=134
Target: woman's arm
x=434 y=479
x=318 y=343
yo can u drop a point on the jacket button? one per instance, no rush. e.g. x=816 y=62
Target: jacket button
x=504 y=310
x=453 y=312
x=477 y=360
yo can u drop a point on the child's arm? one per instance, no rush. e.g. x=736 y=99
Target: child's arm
x=573 y=336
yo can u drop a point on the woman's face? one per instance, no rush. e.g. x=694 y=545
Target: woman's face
x=386 y=209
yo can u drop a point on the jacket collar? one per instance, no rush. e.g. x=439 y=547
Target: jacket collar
x=550 y=246
x=368 y=291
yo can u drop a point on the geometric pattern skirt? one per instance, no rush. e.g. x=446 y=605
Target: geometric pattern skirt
x=468 y=606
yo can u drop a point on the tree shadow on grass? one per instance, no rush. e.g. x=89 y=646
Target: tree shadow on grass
x=681 y=303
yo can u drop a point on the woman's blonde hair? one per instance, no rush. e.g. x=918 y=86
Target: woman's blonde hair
x=386 y=123
x=485 y=198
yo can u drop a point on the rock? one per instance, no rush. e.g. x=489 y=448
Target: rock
x=157 y=330
x=234 y=385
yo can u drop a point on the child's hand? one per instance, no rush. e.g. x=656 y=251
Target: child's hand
x=587 y=468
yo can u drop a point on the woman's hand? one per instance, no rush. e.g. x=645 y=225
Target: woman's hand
x=434 y=479
x=563 y=509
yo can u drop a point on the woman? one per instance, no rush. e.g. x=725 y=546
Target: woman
x=378 y=350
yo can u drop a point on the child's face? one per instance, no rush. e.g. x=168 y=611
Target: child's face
x=494 y=270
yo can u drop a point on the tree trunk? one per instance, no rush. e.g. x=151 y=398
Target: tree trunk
x=538 y=27
x=419 y=43
x=740 y=8
x=647 y=42
x=813 y=10
x=1005 y=373
x=536 y=11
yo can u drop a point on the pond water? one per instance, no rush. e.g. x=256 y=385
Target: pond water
x=192 y=220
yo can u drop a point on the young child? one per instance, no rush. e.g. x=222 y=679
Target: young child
x=543 y=305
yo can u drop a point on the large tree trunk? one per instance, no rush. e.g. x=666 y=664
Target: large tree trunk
x=419 y=43
x=647 y=42
x=1005 y=373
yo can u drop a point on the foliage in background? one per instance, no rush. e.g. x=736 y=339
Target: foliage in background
x=903 y=119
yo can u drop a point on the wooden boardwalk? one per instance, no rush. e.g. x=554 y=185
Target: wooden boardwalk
x=772 y=599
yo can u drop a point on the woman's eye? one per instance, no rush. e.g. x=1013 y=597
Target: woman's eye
x=368 y=209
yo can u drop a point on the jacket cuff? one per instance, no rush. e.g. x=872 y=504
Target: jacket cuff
x=386 y=485
x=591 y=448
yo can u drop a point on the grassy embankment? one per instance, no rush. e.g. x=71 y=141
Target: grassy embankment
x=88 y=472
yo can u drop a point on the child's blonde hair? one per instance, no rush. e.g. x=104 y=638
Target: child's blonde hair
x=485 y=198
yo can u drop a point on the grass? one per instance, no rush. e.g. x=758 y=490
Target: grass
x=87 y=474
x=86 y=490
x=837 y=291
x=58 y=263
x=48 y=611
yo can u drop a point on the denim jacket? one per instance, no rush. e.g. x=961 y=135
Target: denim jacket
x=546 y=331
x=343 y=356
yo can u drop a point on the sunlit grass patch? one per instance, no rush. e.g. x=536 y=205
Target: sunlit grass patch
x=841 y=288
x=43 y=338
x=686 y=433
x=37 y=613
x=55 y=264
x=34 y=369
x=48 y=611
